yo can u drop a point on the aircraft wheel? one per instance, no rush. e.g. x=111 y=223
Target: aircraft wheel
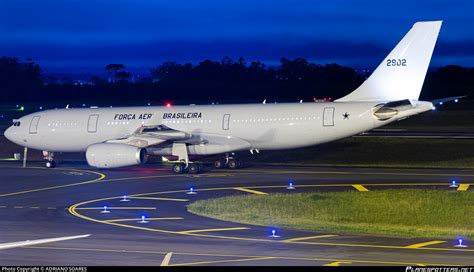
x=219 y=164
x=50 y=164
x=178 y=168
x=233 y=164
x=193 y=169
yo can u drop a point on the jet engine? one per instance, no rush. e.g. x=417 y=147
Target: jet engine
x=110 y=155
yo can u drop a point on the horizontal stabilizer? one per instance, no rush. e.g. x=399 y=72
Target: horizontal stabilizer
x=442 y=100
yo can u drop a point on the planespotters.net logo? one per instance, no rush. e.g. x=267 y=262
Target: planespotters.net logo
x=439 y=269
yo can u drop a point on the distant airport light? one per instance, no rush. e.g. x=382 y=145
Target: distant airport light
x=143 y=221
x=456 y=100
x=460 y=243
x=22 y=108
x=83 y=105
x=105 y=210
x=274 y=234
x=453 y=184
x=441 y=103
x=191 y=191
x=125 y=198
x=290 y=186
x=149 y=104
x=41 y=107
x=168 y=104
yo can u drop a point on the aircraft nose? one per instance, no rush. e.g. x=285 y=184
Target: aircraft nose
x=8 y=133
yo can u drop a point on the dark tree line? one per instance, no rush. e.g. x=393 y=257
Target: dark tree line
x=209 y=80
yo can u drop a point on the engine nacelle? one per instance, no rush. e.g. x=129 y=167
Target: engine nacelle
x=115 y=155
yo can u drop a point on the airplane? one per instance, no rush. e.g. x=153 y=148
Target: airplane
x=126 y=136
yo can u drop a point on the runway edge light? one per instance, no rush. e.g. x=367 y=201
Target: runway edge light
x=274 y=233
x=191 y=191
x=460 y=243
x=143 y=221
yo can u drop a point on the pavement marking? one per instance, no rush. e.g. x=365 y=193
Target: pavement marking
x=144 y=177
x=159 y=198
x=18 y=207
x=118 y=208
x=250 y=191
x=273 y=171
x=463 y=187
x=227 y=261
x=425 y=244
x=148 y=219
x=72 y=210
x=309 y=238
x=101 y=177
x=210 y=230
x=2 y=207
x=34 y=207
x=336 y=263
x=167 y=259
x=360 y=188
x=236 y=256
x=52 y=208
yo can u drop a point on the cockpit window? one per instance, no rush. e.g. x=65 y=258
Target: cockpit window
x=16 y=123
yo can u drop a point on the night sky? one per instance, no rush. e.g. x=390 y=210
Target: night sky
x=82 y=35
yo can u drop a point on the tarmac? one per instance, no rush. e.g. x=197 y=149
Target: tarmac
x=38 y=203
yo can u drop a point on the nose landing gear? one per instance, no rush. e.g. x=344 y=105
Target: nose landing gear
x=49 y=157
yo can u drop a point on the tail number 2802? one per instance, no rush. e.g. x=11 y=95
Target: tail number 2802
x=396 y=62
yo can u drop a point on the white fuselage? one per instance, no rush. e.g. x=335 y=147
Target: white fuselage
x=263 y=126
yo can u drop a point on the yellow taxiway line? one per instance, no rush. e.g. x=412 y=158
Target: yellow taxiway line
x=101 y=177
x=360 y=188
x=226 y=261
x=250 y=191
x=210 y=230
x=121 y=251
x=463 y=187
x=309 y=238
x=147 y=219
x=118 y=208
x=159 y=198
x=425 y=244
x=72 y=209
x=167 y=259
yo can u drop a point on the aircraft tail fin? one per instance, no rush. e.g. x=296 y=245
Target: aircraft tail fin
x=401 y=74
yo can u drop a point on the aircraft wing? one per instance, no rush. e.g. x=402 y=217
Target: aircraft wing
x=204 y=143
x=145 y=137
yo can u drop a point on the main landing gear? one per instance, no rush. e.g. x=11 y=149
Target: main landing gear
x=49 y=157
x=180 y=150
x=229 y=161
x=193 y=168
